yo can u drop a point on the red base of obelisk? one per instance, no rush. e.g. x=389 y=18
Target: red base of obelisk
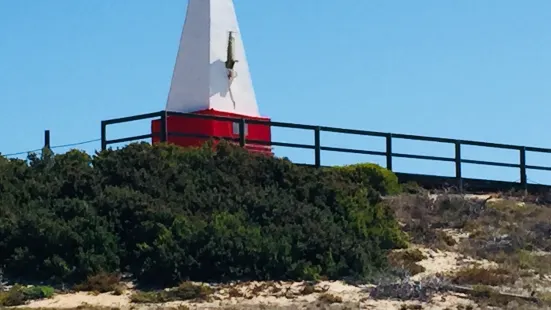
x=214 y=128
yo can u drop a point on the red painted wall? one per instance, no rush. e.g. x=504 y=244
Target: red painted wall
x=217 y=128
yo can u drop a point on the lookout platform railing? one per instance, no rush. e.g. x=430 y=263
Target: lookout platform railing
x=425 y=180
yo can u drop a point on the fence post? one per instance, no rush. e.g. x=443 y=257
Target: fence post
x=242 y=136
x=164 y=133
x=317 y=146
x=47 y=139
x=389 y=151
x=103 y=136
x=523 y=177
x=458 y=174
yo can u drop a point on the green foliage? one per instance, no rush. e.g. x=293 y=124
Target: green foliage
x=372 y=175
x=19 y=295
x=169 y=214
x=38 y=292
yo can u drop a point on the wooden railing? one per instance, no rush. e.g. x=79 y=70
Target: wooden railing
x=458 y=180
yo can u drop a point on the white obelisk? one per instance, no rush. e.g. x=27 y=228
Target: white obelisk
x=201 y=79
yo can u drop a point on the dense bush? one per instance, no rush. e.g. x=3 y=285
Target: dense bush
x=168 y=214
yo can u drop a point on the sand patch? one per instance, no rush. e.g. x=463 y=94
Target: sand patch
x=442 y=262
x=271 y=294
x=74 y=300
x=438 y=302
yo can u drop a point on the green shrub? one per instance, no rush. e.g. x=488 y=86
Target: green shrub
x=19 y=295
x=372 y=175
x=169 y=214
x=60 y=239
x=38 y=292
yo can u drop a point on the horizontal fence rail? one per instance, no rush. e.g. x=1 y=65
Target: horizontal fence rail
x=317 y=146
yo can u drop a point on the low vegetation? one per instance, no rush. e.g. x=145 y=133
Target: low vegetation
x=330 y=298
x=424 y=216
x=483 y=276
x=19 y=295
x=497 y=229
x=166 y=215
x=407 y=260
x=101 y=283
x=411 y=307
x=510 y=232
x=186 y=291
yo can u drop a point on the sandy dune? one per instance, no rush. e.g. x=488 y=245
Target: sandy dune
x=283 y=295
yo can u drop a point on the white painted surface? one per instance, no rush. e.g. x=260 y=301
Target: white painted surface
x=200 y=79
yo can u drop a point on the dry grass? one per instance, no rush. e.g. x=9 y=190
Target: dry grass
x=514 y=235
x=233 y=292
x=483 y=276
x=487 y=296
x=82 y=307
x=496 y=227
x=513 y=231
x=92 y=307
x=186 y=291
x=313 y=306
x=423 y=217
x=101 y=283
x=410 y=307
x=330 y=298
x=407 y=260
x=308 y=289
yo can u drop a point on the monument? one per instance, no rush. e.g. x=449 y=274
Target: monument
x=211 y=77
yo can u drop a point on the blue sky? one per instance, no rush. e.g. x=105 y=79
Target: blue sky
x=471 y=69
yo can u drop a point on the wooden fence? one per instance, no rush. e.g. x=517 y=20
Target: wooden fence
x=427 y=180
